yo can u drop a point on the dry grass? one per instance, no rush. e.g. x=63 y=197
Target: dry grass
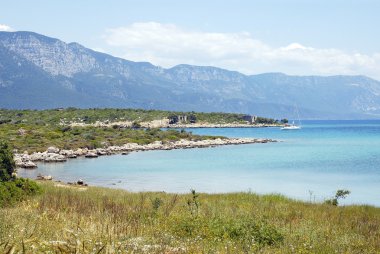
x=99 y=220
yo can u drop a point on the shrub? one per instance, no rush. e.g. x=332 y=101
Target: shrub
x=136 y=125
x=12 y=189
x=243 y=230
x=7 y=164
x=156 y=203
x=17 y=190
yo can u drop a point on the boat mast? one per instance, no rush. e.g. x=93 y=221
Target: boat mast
x=298 y=115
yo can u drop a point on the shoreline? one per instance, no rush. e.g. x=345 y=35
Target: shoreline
x=54 y=154
x=165 y=124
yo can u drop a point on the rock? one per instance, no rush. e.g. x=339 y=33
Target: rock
x=24 y=161
x=29 y=164
x=53 y=149
x=37 y=156
x=91 y=155
x=21 y=132
x=53 y=157
x=68 y=153
x=80 y=151
x=124 y=153
x=44 y=178
x=100 y=151
x=80 y=182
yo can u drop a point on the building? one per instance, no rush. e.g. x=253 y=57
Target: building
x=250 y=118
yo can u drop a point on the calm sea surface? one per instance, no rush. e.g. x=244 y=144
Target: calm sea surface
x=308 y=164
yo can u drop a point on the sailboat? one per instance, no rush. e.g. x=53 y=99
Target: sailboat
x=293 y=126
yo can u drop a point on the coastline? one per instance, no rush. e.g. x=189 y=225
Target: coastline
x=54 y=154
x=164 y=123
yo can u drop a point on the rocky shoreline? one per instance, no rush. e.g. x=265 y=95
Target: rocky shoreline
x=53 y=154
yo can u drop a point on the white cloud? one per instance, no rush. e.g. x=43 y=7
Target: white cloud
x=167 y=45
x=5 y=28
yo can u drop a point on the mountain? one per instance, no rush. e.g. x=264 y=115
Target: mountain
x=41 y=72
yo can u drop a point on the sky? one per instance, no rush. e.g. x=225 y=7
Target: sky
x=296 y=37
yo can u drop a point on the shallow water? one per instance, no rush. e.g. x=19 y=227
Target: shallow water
x=309 y=164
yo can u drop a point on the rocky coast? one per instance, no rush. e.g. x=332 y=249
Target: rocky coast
x=54 y=154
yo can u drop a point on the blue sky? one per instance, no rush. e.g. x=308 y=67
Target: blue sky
x=295 y=37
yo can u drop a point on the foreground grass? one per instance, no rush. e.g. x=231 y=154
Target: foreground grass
x=98 y=220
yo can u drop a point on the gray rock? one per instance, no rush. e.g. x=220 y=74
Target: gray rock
x=91 y=155
x=53 y=149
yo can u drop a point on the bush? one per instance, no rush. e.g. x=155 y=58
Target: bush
x=17 y=190
x=7 y=164
x=243 y=230
x=136 y=125
x=12 y=189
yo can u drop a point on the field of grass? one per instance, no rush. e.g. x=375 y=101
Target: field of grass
x=98 y=220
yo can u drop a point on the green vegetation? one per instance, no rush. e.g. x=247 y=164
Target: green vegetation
x=7 y=164
x=12 y=189
x=55 y=116
x=39 y=137
x=37 y=130
x=33 y=130
x=340 y=194
x=98 y=220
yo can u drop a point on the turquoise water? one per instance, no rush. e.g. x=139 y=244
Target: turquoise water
x=308 y=164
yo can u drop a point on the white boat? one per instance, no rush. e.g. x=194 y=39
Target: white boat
x=293 y=126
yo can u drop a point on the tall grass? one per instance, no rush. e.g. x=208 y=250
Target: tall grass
x=99 y=220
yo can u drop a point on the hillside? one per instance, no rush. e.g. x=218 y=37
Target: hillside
x=39 y=72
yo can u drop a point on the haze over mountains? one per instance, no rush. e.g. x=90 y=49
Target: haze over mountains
x=40 y=72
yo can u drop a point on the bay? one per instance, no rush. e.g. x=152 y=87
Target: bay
x=308 y=164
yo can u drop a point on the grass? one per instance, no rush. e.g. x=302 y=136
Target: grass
x=99 y=220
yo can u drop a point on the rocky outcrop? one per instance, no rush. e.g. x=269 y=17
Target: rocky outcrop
x=91 y=155
x=53 y=149
x=24 y=161
x=48 y=156
x=27 y=161
x=44 y=178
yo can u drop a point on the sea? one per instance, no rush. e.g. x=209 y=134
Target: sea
x=309 y=164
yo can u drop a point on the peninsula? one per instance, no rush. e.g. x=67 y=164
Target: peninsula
x=60 y=134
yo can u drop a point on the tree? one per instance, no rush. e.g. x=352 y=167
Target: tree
x=192 y=118
x=284 y=121
x=136 y=125
x=340 y=194
x=7 y=163
x=173 y=119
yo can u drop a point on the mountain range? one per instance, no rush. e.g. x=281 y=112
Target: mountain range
x=39 y=72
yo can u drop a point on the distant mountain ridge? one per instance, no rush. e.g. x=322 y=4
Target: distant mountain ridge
x=40 y=72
